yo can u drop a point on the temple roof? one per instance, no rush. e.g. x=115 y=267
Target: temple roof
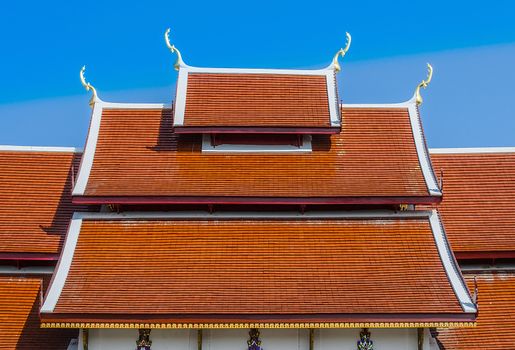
x=495 y=323
x=19 y=317
x=479 y=200
x=133 y=156
x=256 y=100
x=173 y=268
x=35 y=192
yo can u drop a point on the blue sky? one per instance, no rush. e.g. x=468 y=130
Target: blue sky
x=470 y=44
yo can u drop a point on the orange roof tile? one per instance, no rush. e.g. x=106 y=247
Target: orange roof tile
x=138 y=155
x=222 y=270
x=35 y=192
x=478 y=207
x=496 y=319
x=19 y=317
x=257 y=100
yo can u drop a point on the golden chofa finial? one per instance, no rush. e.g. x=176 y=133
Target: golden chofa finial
x=88 y=87
x=173 y=49
x=423 y=84
x=341 y=52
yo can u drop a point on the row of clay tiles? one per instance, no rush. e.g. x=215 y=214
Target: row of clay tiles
x=137 y=154
x=256 y=100
x=477 y=210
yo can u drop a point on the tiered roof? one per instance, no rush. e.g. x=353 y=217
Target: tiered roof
x=230 y=270
x=133 y=156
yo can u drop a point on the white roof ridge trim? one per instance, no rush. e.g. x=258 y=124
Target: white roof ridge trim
x=472 y=150
x=369 y=214
x=450 y=265
x=15 y=148
x=404 y=104
x=319 y=71
x=63 y=267
x=422 y=151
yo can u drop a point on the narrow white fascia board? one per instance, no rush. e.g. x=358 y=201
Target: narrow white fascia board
x=180 y=98
x=31 y=270
x=39 y=149
x=334 y=104
x=207 y=147
x=369 y=214
x=89 y=152
x=450 y=265
x=182 y=85
x=63 y=266
x=472 y=150
x=423 y=155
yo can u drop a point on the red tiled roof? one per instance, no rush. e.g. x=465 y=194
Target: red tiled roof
x=138 y=155
x=257 y=100
x=478 y=207
x=19 y=317
x=35 y=192
x=496 y=319
x=223 y=270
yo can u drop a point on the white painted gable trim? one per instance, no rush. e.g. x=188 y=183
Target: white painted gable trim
x=39 y=149
x=418 y=136
x=63 y=267
x=182 y=87
x=207 y=147
x=450 y=264
x=92 y=139
x=472 y=150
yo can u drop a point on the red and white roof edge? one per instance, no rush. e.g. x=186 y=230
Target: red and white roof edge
x=446 y=256
x=418 y=136
x=182 y=86
x=92 y=138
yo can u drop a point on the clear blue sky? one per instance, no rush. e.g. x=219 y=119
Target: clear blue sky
x=471 y=44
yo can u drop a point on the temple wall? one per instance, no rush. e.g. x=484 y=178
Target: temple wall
x=236 y=339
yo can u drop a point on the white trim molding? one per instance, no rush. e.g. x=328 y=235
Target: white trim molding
x=472 y=150
x=182 y=87
x=10 y=148
x=64 y=265
x=207 y=147
x=450 y=264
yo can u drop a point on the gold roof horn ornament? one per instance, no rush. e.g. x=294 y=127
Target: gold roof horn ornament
x=88 y=87
x=341 y=52
x=173 y=49
x=423 y=84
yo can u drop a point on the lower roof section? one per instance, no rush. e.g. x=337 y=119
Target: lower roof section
x=193 y=268
x=495 y=323
x=19 y=317
x=35 y=192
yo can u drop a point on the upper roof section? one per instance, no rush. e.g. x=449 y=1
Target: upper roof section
x=231 y=100
x=232 y=269
x=35 y=192
x=479 y=200
x=256 y=101
x=133 y=156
